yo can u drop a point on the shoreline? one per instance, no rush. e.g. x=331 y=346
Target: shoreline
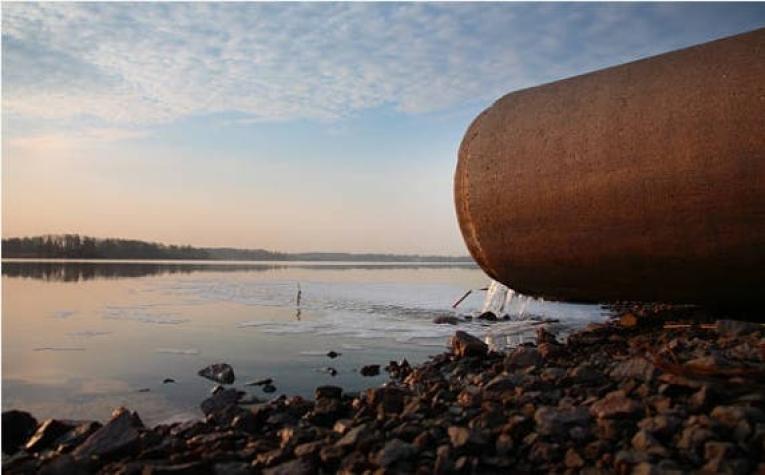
x=657 y=389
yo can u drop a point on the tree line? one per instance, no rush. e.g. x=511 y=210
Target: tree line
x=74 y=246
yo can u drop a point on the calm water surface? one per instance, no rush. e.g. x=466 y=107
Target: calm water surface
x=80 y=338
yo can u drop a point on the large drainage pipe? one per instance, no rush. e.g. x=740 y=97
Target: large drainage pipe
x=644 y=181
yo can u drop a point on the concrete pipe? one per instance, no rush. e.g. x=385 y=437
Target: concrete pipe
x=644 y=181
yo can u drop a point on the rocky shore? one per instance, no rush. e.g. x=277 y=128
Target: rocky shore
x=657 y=390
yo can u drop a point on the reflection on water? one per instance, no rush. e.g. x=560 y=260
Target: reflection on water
x=75 y=271
x=80 y=338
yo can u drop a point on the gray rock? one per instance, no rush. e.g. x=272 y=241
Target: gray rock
x=219 y=372
x=395 y=450
x=220 y=400
x=120 y=436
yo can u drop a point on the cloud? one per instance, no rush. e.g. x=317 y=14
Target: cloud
x=147 y=63
x=75 y=139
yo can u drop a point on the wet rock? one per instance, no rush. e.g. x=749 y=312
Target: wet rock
x=354 y=436
x=219 y=372
x=463 y=344
x=332 y=392
x=268 y=388
x=394 y=451
x=488 y=316
x=168 y=381
x=616 y=404
x=260 y=382
x=47 y=433
x=544 y=336
x=329 y=370
x=333 y=354
x=523 y=357
x=18 y=426
x=636 y=368
x=446 y=320
x=370 y=370
x=119 y=437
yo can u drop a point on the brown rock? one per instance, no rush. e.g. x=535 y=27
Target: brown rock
x=615 y=404
x=464 y=344
x=523 y=357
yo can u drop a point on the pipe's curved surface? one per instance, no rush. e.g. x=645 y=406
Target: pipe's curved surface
x=644 y=181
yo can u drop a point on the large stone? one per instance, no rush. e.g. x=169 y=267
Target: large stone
x=120 y=436
x=18 y=426
x=219 y=372
x=465 y=344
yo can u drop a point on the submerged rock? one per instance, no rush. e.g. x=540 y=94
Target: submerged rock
x=219 y=372
x=370 y=370
x=446 y=320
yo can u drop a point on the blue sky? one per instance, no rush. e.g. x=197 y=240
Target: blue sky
x=294 y=127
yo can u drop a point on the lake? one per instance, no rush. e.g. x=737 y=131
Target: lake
x=83 y=337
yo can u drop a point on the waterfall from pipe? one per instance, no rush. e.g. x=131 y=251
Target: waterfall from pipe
x=502 y=301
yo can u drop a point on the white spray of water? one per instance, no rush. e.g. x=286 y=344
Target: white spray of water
x=501 y=301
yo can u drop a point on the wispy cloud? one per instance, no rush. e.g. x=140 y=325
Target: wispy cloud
x=144 y=63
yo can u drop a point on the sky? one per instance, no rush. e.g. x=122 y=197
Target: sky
x=285 y=126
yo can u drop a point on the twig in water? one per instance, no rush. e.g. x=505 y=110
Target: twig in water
x=462 y=298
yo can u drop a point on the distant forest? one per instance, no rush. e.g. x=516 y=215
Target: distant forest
x=74 y=246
